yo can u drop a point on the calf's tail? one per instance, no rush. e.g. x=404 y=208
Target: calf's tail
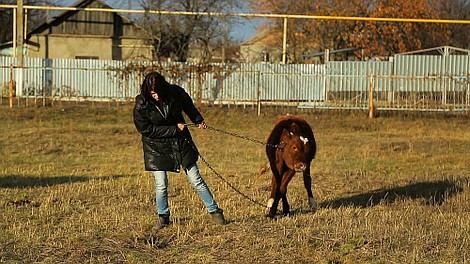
x=265 y=168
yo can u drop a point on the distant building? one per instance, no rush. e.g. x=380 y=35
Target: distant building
x=260 y=48
x=88 y=35
x=213 y=53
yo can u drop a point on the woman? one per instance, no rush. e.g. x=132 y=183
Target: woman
x=167 y=143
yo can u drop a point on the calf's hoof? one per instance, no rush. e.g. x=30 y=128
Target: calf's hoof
x=271 y=211
x=271 y=216
x=313 y=204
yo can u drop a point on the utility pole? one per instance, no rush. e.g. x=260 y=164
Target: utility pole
x=48 y=12
x=224 y=41
x=20 y=32
x=19 y=47
x=284 y=42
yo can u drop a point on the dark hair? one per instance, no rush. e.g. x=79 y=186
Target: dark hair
x=154 y=81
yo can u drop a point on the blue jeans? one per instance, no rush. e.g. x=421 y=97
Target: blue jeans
x=196 y=180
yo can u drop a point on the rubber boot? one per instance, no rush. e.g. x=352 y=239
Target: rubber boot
x=164 y=220
x=218 y=217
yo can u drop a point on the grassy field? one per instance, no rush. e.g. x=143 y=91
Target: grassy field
x=394 y=189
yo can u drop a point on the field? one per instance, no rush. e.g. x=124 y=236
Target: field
x=394 y=189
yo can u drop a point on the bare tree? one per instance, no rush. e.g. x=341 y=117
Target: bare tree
x=6 y=20
x=457 y=9
x=174 y=33
x=34 y=17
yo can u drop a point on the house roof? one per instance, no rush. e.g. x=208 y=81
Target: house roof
x=66 y=13
x=266 y=36
x=443 y=50
x=318 y=54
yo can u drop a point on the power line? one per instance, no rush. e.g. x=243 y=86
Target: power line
x=247 y=15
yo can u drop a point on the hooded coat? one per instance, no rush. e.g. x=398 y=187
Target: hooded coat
x=165 y=147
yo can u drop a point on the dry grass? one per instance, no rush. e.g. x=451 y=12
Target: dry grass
x=393 y=189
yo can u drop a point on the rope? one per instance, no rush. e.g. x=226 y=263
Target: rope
x=228 y=183
x=220 y=176
x=242 y=137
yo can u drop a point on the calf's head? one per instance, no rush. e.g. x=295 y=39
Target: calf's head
x=293 y=150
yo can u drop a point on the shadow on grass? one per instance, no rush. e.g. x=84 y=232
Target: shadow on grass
x=433 y=193
x=21 y=181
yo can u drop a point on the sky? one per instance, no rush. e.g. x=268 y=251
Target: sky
x=242 y=31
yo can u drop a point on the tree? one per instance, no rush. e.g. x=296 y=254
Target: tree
x=388 y=38
x=174 y=33
x=460 y=10
x=35 y=17
x=376 y=38
x=299 y=33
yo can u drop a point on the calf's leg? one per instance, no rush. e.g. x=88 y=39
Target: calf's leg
x=274 y=198
x=283 y=189
x=308 y=187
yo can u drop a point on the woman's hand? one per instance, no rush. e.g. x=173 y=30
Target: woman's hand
x=181 y=126
x=202 y=125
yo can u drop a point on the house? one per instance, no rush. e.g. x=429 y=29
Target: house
x=260 y=48
x=78 y=34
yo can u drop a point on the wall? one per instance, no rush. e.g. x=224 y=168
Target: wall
x=69 y=47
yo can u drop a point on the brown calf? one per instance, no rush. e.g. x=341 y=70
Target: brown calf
x=295 y=150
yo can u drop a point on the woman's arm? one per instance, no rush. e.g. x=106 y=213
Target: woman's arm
x=190 y=109
x=148 y=129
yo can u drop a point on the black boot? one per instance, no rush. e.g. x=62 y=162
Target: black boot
x=164 y=220
x=218 y=217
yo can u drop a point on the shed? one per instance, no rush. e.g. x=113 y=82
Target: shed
x=79 y=34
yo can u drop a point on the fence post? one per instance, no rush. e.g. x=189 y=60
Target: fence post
x=10 y=86
x=258 y=94
x=371 y=96
x=199 y=88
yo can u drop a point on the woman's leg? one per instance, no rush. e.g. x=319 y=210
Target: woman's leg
x=198 y=183
x=161 y=192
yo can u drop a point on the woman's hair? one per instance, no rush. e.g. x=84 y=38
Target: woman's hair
x=154 y=81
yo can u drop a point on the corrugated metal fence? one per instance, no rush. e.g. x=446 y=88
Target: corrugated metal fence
x=406 y=82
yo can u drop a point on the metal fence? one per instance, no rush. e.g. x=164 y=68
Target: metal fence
x=427 y=83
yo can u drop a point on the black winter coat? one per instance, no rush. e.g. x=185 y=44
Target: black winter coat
x=165 y=147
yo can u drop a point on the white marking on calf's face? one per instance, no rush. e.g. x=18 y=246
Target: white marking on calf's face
x=304 y=139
